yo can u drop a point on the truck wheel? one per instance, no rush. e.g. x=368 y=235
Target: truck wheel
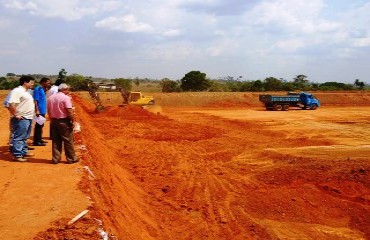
x=277 y=107
x=313 y=107
x=285 y=107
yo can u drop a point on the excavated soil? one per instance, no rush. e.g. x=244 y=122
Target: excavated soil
x=223 y=168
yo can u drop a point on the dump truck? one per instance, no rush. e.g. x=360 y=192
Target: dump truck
x=284 y=102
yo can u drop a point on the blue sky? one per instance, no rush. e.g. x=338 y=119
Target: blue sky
x=326 y=40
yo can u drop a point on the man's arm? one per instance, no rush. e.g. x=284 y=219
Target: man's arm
x=71 y=114
x=13 y=111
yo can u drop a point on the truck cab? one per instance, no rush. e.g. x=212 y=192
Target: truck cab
x=309 y=100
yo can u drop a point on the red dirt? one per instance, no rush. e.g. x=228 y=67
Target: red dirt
x=225 y=170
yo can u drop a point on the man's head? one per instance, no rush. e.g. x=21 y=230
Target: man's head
x=58 y=82
x=45 y=82
x=63 y=88
x=27 y=81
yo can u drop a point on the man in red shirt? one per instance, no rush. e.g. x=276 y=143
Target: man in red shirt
x=60 y=110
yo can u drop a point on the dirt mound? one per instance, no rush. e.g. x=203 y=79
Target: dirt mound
x=130 y=112
x=84 y=229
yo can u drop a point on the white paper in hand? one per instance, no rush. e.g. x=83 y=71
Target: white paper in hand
x=40 y=120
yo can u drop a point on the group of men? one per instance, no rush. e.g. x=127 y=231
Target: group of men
x=28 y=104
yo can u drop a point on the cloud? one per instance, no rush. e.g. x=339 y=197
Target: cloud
x=172 y=33
x=292 y=16
x=126 y=23
x=69 y=10
x=362 y=42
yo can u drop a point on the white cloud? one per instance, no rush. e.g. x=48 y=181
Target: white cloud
x=362 y=42
x=294 y=16
x=172 y=33
x=291 y=45
x=173 y=52
x=126 y=23
x=69 y=10
x=224 y=47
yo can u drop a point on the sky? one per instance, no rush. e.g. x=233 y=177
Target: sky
x=325 y=40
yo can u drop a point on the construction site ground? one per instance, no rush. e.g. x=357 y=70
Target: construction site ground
x=197 y=166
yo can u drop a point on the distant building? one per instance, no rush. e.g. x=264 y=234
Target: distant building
x=107 y=86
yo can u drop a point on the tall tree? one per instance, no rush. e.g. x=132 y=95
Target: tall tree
x=62 y=75
x=301 y=82
x=195 y=81
x=359 y=84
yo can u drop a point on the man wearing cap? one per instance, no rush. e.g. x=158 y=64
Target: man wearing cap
x=60 y=110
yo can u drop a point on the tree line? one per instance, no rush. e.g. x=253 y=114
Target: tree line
x=196 y=81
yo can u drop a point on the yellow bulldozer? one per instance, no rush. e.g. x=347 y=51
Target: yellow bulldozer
x=136 y=98
x=129 y=98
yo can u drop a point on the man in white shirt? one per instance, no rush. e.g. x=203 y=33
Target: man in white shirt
x=54 y=88
x=22 y=110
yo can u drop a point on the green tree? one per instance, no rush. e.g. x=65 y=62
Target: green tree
x=123 y=83
x=195 y=81
x=301 y=82
x=234 y=86
x=168 y=85
x=62 y=75
x=273 y=84
x=335 y=86
x=77 y=82
x=359 y=84
x=6 y=85
x=257 y=86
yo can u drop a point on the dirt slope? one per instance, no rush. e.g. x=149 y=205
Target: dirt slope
x=229 y=171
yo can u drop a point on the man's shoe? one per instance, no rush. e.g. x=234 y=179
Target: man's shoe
x=42 y=141
x=29 y=155
x=75 y=161
x=39 y=144
x=30 y=148
x=20 y=159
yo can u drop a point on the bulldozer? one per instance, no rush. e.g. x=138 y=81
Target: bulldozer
x=129 y=98
x=135 y=98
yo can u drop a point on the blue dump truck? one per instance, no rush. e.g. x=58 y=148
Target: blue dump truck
x=292 y=99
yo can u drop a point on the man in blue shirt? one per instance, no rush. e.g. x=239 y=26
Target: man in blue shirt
x=39 y=95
